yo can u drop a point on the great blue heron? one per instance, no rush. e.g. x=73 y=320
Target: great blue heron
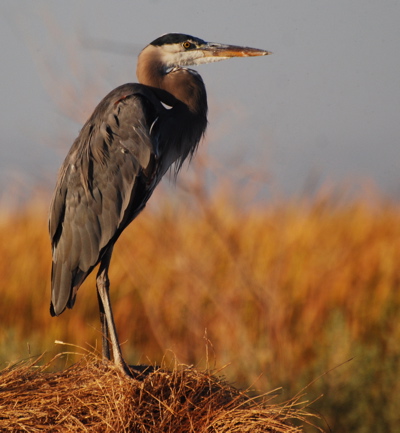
x=119 y=157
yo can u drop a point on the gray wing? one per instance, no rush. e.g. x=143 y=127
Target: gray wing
x=104 y=182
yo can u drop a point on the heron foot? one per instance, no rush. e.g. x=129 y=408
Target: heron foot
x=124 y=369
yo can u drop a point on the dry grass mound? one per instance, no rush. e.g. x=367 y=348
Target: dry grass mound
x=93 y=396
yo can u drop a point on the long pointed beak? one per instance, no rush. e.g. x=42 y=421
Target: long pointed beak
x=212 y=49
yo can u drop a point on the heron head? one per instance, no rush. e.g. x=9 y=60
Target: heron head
x=177 y=49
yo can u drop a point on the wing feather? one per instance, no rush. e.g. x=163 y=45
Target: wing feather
x=103 y=184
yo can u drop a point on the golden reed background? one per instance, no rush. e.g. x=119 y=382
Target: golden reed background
x=281 y=292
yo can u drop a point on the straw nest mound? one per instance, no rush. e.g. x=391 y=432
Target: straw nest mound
x=92 y=396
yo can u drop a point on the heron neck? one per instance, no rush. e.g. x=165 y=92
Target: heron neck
x=183 y=85
x=188 y=87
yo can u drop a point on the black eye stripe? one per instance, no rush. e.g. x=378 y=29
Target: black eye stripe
x=175 y=38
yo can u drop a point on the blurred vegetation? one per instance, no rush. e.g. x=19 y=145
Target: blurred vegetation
x=282 y=295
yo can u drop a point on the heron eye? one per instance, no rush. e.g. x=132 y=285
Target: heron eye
x=186 y=45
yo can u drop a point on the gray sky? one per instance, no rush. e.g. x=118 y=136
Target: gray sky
x=326 y=105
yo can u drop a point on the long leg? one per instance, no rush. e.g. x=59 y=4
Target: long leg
x=104 y=329
x=106 y=316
